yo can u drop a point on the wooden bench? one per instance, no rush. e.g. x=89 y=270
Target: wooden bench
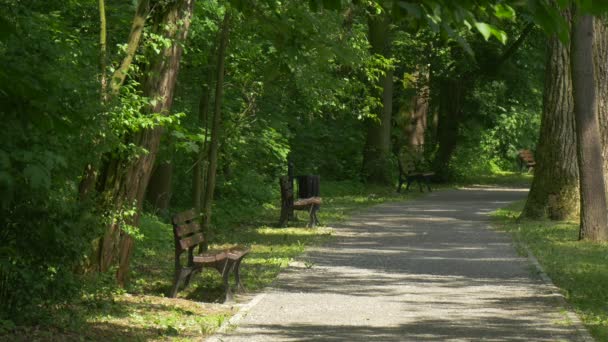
x=408 y=173
x=526 y=160
x=188 y=236
x=288 y=205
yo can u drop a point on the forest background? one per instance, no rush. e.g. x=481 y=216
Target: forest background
x=113 y=112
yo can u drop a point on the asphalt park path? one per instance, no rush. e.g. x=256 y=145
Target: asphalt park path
x=425 y=270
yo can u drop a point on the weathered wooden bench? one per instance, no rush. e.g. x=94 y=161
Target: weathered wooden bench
x=526 y=160
x=188 y=236
x=288 y=205
x=409 y=174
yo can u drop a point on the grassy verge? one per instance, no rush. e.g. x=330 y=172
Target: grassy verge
x=142 y=313
x=579 y=269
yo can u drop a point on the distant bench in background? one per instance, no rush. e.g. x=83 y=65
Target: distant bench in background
x=309 y=200
x=526 y=160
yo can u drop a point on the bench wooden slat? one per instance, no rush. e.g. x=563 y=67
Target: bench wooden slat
x=210 y=257
x=192 y=240
x=185 y=216
x=237 y=252
x=186 y=229
x=307 y=201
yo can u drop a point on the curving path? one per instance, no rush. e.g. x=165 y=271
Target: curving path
x=424 y=270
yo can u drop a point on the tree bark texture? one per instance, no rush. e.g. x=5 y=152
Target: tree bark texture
x=124 y=181
x=414 y=112
x=555 y=188
x=594 y=213
x=376 y=155
x=103 y=49
x=600 y=61
x=451 y=104
x=159 y=189
x=216 y=125
x=199 y=174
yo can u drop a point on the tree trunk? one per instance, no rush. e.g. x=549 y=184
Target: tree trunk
x=376 y=156
x=159 y=187
x=198 y=181
x=451 y=102
x=137 y=28
x=102 y=49
x=453 y=94
x=125 y=180
x=555 y=193
x=600 y=49
x=217 y=122
x=90 y=174
x=594 y=213
x=414 y=111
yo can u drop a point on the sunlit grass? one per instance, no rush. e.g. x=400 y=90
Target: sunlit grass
x=579 y=269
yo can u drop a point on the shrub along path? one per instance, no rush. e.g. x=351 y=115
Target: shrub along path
x=430 y=269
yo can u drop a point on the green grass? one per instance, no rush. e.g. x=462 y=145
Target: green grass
x=578 y=268
x=499 y=178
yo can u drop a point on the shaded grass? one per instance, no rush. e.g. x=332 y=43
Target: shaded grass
x=578 y=268
x=498 y=178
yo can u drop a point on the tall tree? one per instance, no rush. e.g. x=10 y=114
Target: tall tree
x=594 y=213
x=600 y=51
x=555 y=189
x=376 y=162
x=216 y=128
x=123 y=181
x=89 y=178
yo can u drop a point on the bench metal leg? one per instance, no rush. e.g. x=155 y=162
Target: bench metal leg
x=225 y=271
x=428 y=183
x=409 y=182
x=178 y=279
x=237 y=276
x=401 y=181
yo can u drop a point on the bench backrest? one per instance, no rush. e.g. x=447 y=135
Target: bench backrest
x=526 y=155
x=187 y=231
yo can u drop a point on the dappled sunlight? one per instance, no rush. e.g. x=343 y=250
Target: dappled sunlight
x=426 y=270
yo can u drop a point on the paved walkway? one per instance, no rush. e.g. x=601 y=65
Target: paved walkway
x=427 y=270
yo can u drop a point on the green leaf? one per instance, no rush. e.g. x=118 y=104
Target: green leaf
x=484 y=29
x=504 y=12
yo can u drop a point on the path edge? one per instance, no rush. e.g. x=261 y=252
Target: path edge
x=234 y=320
x=578 y=324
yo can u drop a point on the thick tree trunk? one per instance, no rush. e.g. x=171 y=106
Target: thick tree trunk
x=416 y=112
x=600 y=50
x=594 y=213
x=125 y=181
x=555 y=189
x=216 y=126
x=376 y=154
x=451 y=103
